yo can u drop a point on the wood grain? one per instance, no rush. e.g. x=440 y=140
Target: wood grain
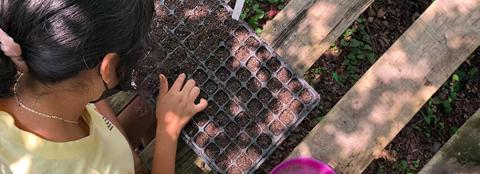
x=461 y=154
x=383 y=101
x=305 y=29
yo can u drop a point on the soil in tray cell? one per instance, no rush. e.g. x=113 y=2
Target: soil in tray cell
x=295 y=85
x=212 y=63
x=265 y=117
x=221 y=118
x=212 y=151
x=201 y=140
x=234 y=170
x=223 y=74
x=253 y=64
x=232 y=44
x=242 y=119
x=232 y=108
x=244 y=95
x=306 y=96
x=287 y=118
x=243 y=74
x=285 y=96
x=264 y=141
x=252 y=43
x=244 y=163
x=233 y=85
x=273 y=64
x=277 y=128
x=221 y=98
x=274 y=85
x=284 y=75
x=182 y=31
x=232 y=129
x=253 y=130
x=223 y=161
x=212 y=129
x=254 y=84
x=222 y=54
x=295 y=107
x=263 y=74
x=242 y=54
x=210 y=87
x=263 y=54
x=222 y=140
x=201 y=119
x=275 y=106
x=191 y=129
x=233 y=151
x=254 y=106
x=243 y=140
x=211 y=109
x=264 y=95
x=241 y=34
x=232 y=64
x=254 y=152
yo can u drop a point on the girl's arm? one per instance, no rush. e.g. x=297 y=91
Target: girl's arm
x=104 y=108
x=175 y=107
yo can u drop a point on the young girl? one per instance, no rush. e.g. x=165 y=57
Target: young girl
x=56 y=57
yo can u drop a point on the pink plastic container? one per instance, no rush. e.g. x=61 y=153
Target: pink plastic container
x=302 y=166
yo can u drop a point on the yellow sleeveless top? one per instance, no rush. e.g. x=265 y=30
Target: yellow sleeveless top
x=104 y=151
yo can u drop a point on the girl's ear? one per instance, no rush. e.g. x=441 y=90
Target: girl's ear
x=108 y=69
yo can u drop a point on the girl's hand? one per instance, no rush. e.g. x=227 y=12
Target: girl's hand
x=175 y=107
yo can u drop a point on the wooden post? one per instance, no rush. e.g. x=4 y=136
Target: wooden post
x=461 y=154
x=305 y=29
x=383 y=101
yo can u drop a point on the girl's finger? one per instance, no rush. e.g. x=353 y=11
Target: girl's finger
x=194 y=93
x=188 y=87
x=200 y=106
x=163 y=85
x=177 y=85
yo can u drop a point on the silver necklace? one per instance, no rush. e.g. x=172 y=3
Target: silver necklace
x=34 y=111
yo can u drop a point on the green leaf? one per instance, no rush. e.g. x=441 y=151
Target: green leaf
x=339 y=79
x=455 y=78
x=447 y=108
x=371 y=58
x=367 y=47
x=343 y=43
x=348 y=32
x=355 y=43
x=427 y=119
x=361 y=56
x=258 y=30
x=351 y=56
x=404 y=164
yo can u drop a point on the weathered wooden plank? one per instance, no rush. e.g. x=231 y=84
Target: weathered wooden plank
x=120 y=100
x=461 y=154
x=305 y=29
x=382 y=102
x=186 y=162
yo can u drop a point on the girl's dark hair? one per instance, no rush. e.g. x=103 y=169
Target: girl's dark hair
x=61 y=38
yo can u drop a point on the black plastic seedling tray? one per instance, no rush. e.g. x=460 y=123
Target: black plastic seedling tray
x=255 y=99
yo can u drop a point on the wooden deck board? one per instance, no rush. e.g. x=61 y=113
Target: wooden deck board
x=461 y=154
x=383 y=101
x=305 y=29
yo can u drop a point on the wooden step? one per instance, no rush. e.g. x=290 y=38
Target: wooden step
x=383 y=101
x=461 y=154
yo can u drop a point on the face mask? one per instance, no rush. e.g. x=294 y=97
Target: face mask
x=107 y=92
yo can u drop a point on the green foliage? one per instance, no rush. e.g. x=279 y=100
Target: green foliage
x=253 y=14
x=356 y=41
